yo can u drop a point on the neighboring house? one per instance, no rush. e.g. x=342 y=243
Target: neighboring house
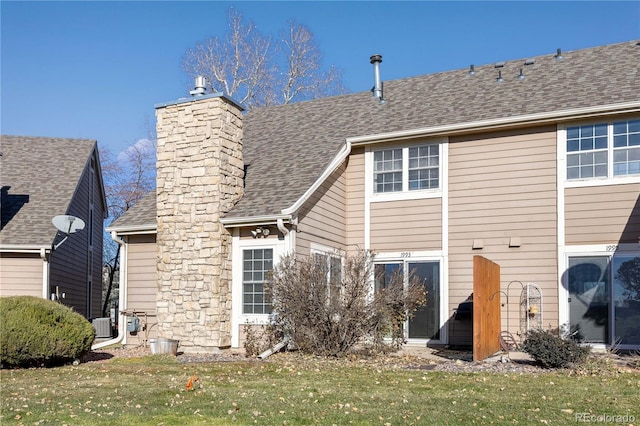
x=42 y=178
x=532 y=163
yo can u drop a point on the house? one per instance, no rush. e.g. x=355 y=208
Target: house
x=42 y=178
x=532 y=163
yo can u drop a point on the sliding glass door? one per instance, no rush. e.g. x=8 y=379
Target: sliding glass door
x=426 y=322
x=604 y=299
x=626 y=298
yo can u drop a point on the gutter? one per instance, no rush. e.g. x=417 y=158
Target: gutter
x=335 y=163
x=231 y=222
x=133 y=229
x=122 y=298
x=23 y=248
x=540 y=118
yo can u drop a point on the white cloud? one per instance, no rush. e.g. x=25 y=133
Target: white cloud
x=142 y=145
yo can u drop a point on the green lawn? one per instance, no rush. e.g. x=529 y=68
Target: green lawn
x=292 y=390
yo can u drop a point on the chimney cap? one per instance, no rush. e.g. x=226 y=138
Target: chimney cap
x=375 y=58
x=200 y=86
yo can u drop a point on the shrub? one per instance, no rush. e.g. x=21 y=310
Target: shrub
x=550 y=350
x=39 y=332
x=259 y=338
x=328 y=319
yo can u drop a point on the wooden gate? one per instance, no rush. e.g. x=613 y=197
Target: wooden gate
x=486 y=309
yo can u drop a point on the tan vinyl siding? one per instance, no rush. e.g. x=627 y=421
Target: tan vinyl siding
x=608 y=214
x=142 y=284
x=406 y=225
x=502 y=185
x=355 y=199
x=20 y=275
x=322 y=220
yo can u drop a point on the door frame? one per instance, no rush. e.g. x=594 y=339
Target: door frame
x=416 y=257
x=592 y=250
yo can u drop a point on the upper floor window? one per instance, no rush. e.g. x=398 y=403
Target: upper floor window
x=603 y=150
x=406 y=169
x=626 y=147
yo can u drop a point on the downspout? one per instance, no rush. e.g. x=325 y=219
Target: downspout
x=281 y=227
x=122 y=295
x=45 y=273
x=288 y=235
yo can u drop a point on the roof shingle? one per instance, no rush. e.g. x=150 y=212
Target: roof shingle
x=287 y=147
x=39 y=177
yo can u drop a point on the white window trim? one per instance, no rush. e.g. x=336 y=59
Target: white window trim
x=239 y=318
x=594 y=181
x=405 y=194
x=586 y=251
x=329 y=252
x=443 y=193
x=423 y=256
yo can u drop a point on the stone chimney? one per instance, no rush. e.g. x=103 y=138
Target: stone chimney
x=199 y=178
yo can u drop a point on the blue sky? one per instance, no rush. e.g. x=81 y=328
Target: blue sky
x=96 y=69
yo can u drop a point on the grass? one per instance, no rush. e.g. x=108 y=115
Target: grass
x=294 y=390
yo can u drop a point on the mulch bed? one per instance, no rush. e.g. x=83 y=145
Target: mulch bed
x=451 y=361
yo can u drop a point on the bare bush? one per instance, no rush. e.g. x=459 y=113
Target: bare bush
x=329 y=319
x=259 y=338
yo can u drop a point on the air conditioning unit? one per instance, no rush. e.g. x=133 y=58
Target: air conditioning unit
x=103 y=327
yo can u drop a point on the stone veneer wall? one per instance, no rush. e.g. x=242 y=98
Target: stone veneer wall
x=200 y=173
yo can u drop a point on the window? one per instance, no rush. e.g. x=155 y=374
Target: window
x=256 y=264
x=406 y=169
x=333 y=267
x=603 y=150
x=626 y=147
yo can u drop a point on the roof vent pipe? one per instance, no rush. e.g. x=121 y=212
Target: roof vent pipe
x=558 y=55
x=377 y=85
x=472 y=70
x=200 y=86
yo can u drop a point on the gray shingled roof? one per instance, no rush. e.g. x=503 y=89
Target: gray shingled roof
x=38 y=177
x=287 y=147
x=142 y=214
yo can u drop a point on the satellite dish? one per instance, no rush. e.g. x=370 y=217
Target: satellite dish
x=68 y=225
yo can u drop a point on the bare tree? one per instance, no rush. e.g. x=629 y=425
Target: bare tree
x=128 y=177
x=324 y=325
x=304 y=77
x=256 y=71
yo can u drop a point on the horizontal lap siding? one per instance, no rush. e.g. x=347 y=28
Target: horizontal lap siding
x=503 y=185
x=20 y=275
x=142 y=283
x=355 y=199
x=69 y=270
x=322 y=220
x=607 y=214
x=406 y=225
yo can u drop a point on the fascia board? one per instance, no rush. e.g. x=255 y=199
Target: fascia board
x=335 y=163
x=133 y=229
x=530 y=119
x=231 y=222
x=22 y=248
